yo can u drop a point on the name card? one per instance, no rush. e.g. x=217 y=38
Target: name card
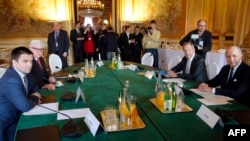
x=92 y=122
x=79 y=93
x=195 y=36
x=208 y=116
x=100 y=63
x=149 y=74
x=132 y=67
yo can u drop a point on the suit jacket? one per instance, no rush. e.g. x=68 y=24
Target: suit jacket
x=111 y=42
x=239 y=86
x=206 y=37
x=197 y=69
x=63 y=45
x=127 y=49
x=13 y=99
x=63 y=42
x=77 y=45
x=39 y=76
x=138 y=41
x=73 y=37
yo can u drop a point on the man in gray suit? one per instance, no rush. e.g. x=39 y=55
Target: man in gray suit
x=192 y=65
x=58 y=43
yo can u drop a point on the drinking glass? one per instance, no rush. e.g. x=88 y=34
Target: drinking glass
x=133 y=109
x=111 y=119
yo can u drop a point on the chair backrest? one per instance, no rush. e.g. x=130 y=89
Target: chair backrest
x=212 y=70
x=173 y=62
x=55 y=63
x=147 y=59
x=2 y=71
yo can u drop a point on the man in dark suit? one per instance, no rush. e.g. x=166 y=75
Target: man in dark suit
x=127 y=45
x=233 y=78
x=138 y=44
x=58 y=43
x=111 y=43
x=39 y=71
x=201 y=38
x=192 y=65
x=17 y=92
x=76 y=36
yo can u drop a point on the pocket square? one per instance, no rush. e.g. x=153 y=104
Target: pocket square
x=235 y=80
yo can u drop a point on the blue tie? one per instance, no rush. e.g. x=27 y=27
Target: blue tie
x=230 y=75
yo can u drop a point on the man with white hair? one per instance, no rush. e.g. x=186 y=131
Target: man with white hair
x=39 y=71
x=233 y=78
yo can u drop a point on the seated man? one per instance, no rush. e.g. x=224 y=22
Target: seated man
x=17 y=92
x=39 y=71
x=192 y=65
x=233 y=78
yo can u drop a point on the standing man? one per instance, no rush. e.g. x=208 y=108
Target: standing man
x=201 y=38
x=39 y=71
x=58 y=43
x=192 y=65
x=17 y=92
x=138 y=44
x=127 y=47
x=150 y=41
x=76 y=36
x=111 y=43
x=233 y=78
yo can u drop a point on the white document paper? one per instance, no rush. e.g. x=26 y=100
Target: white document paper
x=74 y=113
x=178 y=80
x=208 y=116
x=92 y=122
x=79 y=93
x=37 y=110
x=201 y=93
x=210 y=102
x=214 y=99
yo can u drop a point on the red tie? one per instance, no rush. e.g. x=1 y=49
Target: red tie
x=39 y=63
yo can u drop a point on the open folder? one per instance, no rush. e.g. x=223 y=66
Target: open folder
x=43 y=133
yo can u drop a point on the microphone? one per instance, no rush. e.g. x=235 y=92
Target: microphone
x=69 y=129
x=221 y=112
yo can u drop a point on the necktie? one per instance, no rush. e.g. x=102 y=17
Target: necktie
x=56 y=37
x=230 y=75
x=39 y=63
x=188 y=66
x=25 y=84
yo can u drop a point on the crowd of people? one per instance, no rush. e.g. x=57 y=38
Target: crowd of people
x=27 y=74
x=103 y=42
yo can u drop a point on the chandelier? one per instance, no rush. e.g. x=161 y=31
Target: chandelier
x=90 y=8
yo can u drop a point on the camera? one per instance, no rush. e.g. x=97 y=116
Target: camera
x=146 y=30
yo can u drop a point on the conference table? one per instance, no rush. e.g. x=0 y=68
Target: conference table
x=164 y=56
x=103 y=90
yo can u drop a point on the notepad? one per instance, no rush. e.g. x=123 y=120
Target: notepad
x=43 y=133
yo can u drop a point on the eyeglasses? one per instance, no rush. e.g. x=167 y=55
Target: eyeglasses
x=38 y=49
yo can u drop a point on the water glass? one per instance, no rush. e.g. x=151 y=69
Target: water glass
x=111 y=119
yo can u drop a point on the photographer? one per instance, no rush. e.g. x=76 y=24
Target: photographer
x=200 y=37
x=150 y=41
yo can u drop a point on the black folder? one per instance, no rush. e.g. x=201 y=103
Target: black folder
x=48 y=99
x=43 y=133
